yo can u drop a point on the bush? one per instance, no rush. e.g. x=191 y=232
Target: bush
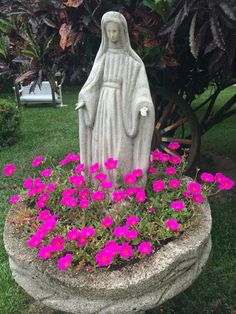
x=9 y=122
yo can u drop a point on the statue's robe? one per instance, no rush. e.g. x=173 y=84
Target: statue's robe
x=110 y=124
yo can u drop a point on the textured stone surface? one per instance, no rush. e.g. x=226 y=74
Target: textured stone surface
x=131 y=289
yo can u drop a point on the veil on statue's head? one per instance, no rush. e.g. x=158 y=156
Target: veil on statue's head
x=116 y=17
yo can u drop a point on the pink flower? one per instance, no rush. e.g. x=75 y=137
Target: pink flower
x=69 y=192
x=118 y=195
x=94 y=168
x=46 y=172
x=82 y=242
x=132 y=221
x=140 y=197
x=9 y=170
x=107 y=222
x=49 y=224
x=84 y=194
x=84 y=204
x=98 y=195
x=103 y=258
x=194 y=188
x=37 y=161
x=175 y=160
x=137 y=172
x=79 y=168
x=198 y=198
x=158 y=185
x=120 y=231
x=45 y=252
x=14 y=199
x=174 y=184
x=64 y=262
x=73 y=234
x=156 y=155
x=145 y=248
x=170 y=170
x=68 y=201
x=226 y=184
x=42 y=200
x=112 y=247
x=58 y=244
x=130 y=191
x=207 y=177
x=125 y=250
x=76 y=180
x=131 y=234
x=51 y=187
x=44 y=215
x=34 y=241
x=164 y=157
x=186 y=194
x=130 y=178
x=70 y=157
x=107 y=185
x=173 y=145
x=152 y=210
x=172 y=224
x=28 y=183
x=152 y=170
x=177 y=205
x=88 y=232
x=111 y=164
x=100 y=176
x=219 y=177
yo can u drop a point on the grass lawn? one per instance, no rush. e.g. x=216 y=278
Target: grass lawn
x=53 y=133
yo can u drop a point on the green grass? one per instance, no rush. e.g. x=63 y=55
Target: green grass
x=54 y=132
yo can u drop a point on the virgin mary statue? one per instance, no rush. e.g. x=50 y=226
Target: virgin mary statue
x=116 y=113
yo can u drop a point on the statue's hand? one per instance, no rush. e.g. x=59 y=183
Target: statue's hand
x=80 y=105
x=144 y=111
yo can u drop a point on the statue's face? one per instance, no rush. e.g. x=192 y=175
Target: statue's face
x=113 y=31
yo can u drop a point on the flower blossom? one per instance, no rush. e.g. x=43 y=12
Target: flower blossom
x=137 y=172
x=98 y=195
x=65 y=262
x=120 y=231
x=103 y=258
x=46 y=172
x=193 y=188
x=170 y=170
x=73 y=234
x=35 y=240
x=174 y=184
x=175 y=160
x=107 y=185
x=79 y=168
x=107 y=222
x=125 y=250
x=57 y=244
x=130 y=191
x=218 y=177
x=37 y=161
x=68 y=201
x=198 y=198
x=145 y=248
x=177 y=205
x=84 y=194
x=94 y=168
x=111 y=164
x=28 y=183
x=207 y=177
x=118 y=195
x=14 y=199
x=132 y=221
x=130 y=178
x=152 y=170
x=84 y=204
x=131 y=234
x=9 y=170
x=158 y=185
x=68 y=192
x=88 y=232
x=173 y=145
x=76 y=180
x=172 y=224
x=82 y=242
x=101 y=176
x=51 y=187
x=44 y=215
x=226 y=184
x=140 y=196
x=45 y=252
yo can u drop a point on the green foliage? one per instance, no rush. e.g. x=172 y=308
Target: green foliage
x=9 y=122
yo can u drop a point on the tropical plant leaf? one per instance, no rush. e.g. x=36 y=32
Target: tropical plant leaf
x=4 y=46
x=178 y=21
x=216 y=32
x=74 y=3
x=192 y=41
x=25 y=75
x=49 y=22
x=228 y=10
x=29 y=53
x=5 y=25
x=64 y=32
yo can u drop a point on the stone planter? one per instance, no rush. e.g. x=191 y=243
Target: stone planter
x=132 y=289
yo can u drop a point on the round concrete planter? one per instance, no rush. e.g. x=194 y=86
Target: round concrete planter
x=131 y=289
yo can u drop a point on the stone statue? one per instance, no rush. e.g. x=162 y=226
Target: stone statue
x=116 y=113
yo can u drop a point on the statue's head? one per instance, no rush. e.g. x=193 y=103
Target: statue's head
x=113 y=31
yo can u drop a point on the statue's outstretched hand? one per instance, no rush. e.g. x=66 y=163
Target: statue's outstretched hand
x=80 y=105
x=144 y=111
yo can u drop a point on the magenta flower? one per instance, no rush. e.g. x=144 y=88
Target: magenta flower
x=137 y=172
x=226 y=184
x=46 y=173
x=218 y=177
x=100 y=176
x=84 y=204
x=44 y=215
x=173 y=145
x=145 y=248
x=120 y=231
x=42 y=200
x=107 y=222
x=58 y=244
x=84 y=194
x=82 y=242
x=152 y=210
x=28 y=183
x=125 y=250
x=69 y=201
x=194 y=188
x=130 y=178
x=88 y=232
x=175 y=160
x=111 y=164
x=14 y=199
x=103 y=258
x=68 y=192
x=65 y=262
x=51 y=187
x=156 y=155
x=140 y=197
x=130 y=191
x=174 y=184
x=98 y=195
x=9 y=170
x=94 y=168
x=187 y=194
x=170 y=170
x=35 y=240
x=118 y=195
x=178 y=205
x=132 y=221
x=172 y=224
x=37 y=161
x=207 y=177
x=73 y=234
x=107 y=185
x=45 y=252
x=112 y=247
x=158 y=185
x=131 y=234
x=198 y=198
x=164 y=157
x=49 y=224
x=152 y=170
x=79 y=168
x=76 y=180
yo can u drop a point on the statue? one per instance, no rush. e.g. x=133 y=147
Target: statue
x=116 y=113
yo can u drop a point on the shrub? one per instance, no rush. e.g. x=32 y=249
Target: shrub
x=9 y=122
